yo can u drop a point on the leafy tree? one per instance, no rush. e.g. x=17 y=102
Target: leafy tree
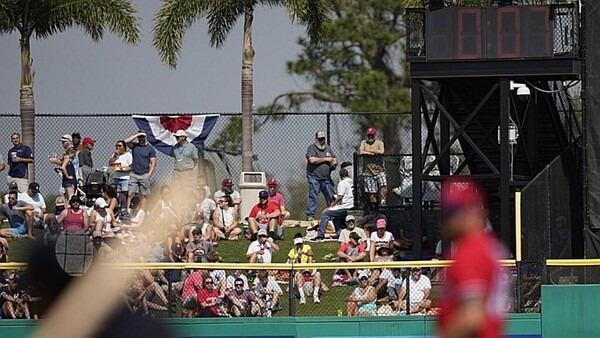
x=44 y=18
x=175 y=17
x=358 y=65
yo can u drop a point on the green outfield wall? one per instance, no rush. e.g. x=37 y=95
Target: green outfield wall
x=518 y=325
x=567 y=311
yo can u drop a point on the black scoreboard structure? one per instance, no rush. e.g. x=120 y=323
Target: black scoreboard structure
x=490 y=87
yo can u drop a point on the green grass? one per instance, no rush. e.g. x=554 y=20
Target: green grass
x=19 y=250
x=235 y=251
x=331 y=302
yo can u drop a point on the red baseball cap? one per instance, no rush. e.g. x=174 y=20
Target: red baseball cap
x=227 y=182
x=371 y=131
x=272 y=181
x=381 y=223
x=462 y=193
x=88 y=140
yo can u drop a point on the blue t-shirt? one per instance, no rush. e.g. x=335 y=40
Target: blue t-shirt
x=19 y=169
x=141 y=158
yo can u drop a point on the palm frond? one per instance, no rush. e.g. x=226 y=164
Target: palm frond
x=94 y=16
x=8 y=15
x=170 y=25
x=221 y=19
x=315 y=14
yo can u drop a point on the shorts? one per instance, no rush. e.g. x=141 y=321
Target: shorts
x=374 y=183
x=121 y=184
x=189 y=303
x=20 y=229
x=68 y=184
x=139 y=183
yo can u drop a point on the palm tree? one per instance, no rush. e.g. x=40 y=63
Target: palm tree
x=43 y=18
x=176 y=16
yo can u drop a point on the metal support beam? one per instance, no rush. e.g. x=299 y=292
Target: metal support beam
x=417 y=168
x=504 y=187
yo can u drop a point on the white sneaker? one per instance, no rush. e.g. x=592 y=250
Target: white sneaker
x=302 y=300
x=316 y=299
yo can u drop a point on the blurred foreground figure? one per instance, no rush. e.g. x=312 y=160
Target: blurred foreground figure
x=474 y=294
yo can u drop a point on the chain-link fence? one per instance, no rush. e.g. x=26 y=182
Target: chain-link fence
x=228 y=292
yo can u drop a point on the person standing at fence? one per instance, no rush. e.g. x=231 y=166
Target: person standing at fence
x=19 y=157
x=121 y=162
x=86 y=164
x=320 y=162
x=144 y=163
x=186 y=159
x=373 y=170
x=473 y=296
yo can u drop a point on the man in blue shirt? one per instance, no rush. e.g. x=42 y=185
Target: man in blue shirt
x=19 y=157
x=186 y=159
x=142 y=168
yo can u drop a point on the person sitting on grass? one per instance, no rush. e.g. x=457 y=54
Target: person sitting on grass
x=268 y=292
x=352 y=251
x=362 y=300
x=305 y=281
x=20 y=217
x=209 y=303
x=420 y=290
x=261 y=250
x=225 y=220
x=242 y=302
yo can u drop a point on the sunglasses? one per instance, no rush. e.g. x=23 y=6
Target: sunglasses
x=240 y=285
x=209 y=283
x=262 y=236
x=362 y=279
x=118 y=146
x=350 y=221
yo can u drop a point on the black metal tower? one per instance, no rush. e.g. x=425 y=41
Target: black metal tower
x=489 y=91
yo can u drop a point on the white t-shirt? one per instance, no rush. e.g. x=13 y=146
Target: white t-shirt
x=219 y=275
x=417 y=288
x=37 y=200
x=123 y=161
x=345 y=190
x=382 y=242
x=345 y=235
x=226 y=216
x=235 y=195
x=271 y=286
x=207 y=206
x=256 y=246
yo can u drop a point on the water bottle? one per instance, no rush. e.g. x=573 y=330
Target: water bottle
x=340 y=312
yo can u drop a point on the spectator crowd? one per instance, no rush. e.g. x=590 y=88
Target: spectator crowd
x=127 y=219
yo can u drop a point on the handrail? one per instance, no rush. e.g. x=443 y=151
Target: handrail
x=271 y=266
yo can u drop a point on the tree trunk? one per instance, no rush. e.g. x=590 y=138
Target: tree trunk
x=27 y=103
x=247 y=91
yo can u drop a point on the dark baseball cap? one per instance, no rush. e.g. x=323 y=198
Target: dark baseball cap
x=228 y=182
x=35 y=187
x=263 y=194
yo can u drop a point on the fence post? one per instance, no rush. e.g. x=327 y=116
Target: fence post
x=328 y=128
x=407 y=279
x=169 y=295
x=291 y=293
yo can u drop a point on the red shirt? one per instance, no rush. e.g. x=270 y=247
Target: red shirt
x=205 y=296
x=280 y=201
x=260 y=210
x=476 y=273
